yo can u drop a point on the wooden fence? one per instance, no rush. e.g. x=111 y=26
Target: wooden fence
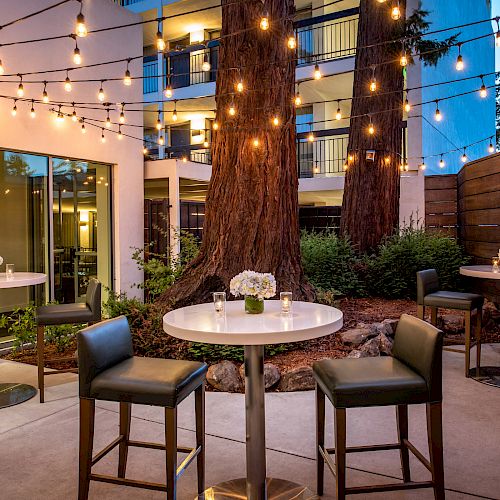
x=441 y=204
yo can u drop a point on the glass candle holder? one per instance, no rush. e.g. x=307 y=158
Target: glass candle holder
x=9 y=271
x=286 y=302
x=219 y=302
x=496 y=265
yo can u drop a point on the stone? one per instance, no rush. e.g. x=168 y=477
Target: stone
x=356 y=336
x=389 y=327
x=272 y=374
x=224 y=376
x=453 y=324
x=385 y=344
x=356 y=353
x=371 y=348
x=300 y=379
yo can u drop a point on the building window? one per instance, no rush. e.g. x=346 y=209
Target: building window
x=305 y=117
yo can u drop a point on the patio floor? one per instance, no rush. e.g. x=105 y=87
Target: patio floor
x=40 y=442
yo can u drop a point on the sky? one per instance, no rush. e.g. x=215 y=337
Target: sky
x=495 y=8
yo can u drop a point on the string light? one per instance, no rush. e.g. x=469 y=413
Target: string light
x=497 y=35
x=256 y=143
x=14 y=108
x=407 y=105
x=20 y=87
x=310 y=137
x=127 y=79
x=292 y=43
x=174 y=114
x=298 y=99
x=184 y=159
x=317 y=72
x=77 y=57
x=239 y=86
x=59 y=116
x=396 y=12
x=32 y=110
x=122 y=114
x=276 y=120
x=423 y=166
x=371 y=127
x=464 y=156
x=338 y=114
x=158 y=121
x=350 y=158
x=168 y=89
x=373 y=81
x=316 y=169
x=483 y=92
x=2 y=69
x=84 y=130
x=232 y=109
x=103 y=137
x=161 y=140
x=45 y=96
x=491 y=148
x=73 y=115
x=67 y=83
x=101 y=95
x=108 y=119
x=120 y=134
x=81 y=27
x=460 y=60
x=215 y=126
x=205 y=142
x=206 y=66
x=160 y=43
x=441 y=162
x=264 y=22
x=144 y=150
x=345 y=167
x=404 y=59
x=437 y=115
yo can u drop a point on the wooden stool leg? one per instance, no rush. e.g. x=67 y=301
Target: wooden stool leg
x=420 y=311
x=479 y=327
x=320 y=439
x=435 y=438
x=87 y=415
x=402 y=419
x=434 y=315
x=40 y=345
x=125 y=417
x=171 y=449
x=340 y=452
x=199 y=402
x=467 y=341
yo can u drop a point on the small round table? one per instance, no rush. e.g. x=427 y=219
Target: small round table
x=200 y=323
x=12 y=393
x=487 y=374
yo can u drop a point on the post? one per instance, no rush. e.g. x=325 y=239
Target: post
x=255 y=422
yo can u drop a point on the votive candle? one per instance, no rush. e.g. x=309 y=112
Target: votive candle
x=496 y=266
x=9 y=271
x=286 y=302
x=219 y=302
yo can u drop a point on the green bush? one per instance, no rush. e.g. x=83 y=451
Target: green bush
x=392 y=272
x=330 y=263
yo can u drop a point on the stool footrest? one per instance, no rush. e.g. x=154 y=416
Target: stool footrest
x=356 y=490
x=360 y=449
x=63 y=370
x=128 y=482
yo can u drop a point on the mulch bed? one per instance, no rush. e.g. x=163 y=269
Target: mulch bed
x=355 y=311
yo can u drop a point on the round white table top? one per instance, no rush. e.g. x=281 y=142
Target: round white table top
x=480 y=272
x=22 y=279
x=200 y=323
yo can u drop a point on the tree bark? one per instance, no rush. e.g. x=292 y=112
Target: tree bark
x=370 y=208
x=251 y=215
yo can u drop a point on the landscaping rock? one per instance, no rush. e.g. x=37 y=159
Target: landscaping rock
x=385 y=344
x=224 y=376
x=300 y=379
x=371 y=348
x=358 y=335
x=387 y=327
x=452 y=324
x=272 y=374
x=356 y=353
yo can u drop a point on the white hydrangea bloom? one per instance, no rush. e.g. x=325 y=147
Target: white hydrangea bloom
x=260 y=285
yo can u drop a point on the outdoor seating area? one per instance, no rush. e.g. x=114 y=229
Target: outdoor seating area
x=249 y=249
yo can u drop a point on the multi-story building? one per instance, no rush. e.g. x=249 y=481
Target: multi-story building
x=326 y=34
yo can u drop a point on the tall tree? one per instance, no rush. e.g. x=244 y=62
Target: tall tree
x=370 y=208
x=251 y=214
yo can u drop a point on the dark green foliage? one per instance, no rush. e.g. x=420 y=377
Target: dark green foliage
x=214 y=353
x=330 y=263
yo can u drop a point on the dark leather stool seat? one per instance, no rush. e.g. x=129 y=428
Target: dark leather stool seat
x=429 y=295
x=412 y=376
x=149 y=381
x=109 y=371
x=65 y=314
x=351 y=383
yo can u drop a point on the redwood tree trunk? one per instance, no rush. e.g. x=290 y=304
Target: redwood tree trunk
x=370 y=208
x=251 y=217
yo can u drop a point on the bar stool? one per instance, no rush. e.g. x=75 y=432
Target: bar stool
x=110 y=372
x=65 y=314
x=429 y=295
x=412 y=376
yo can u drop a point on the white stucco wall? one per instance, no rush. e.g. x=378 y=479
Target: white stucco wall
x=43 y=135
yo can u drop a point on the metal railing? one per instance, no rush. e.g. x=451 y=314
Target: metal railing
x=150 y=74
x=322 y=158
x=124 y=3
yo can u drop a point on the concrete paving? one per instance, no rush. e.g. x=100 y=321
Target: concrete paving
x=39 y=443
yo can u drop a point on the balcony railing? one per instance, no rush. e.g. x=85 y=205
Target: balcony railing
x=124 y=3
x=324 y=157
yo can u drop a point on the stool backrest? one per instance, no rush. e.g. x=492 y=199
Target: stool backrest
x=419 y=345
x=427 y=282
x=100 y=347
x=93 y=299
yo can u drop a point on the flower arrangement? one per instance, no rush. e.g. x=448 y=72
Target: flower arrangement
x=253 y=284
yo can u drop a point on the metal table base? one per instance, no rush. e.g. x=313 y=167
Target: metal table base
x=489 y=375
x=256 y=486
x=12 y=394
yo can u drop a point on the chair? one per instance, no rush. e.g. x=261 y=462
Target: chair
x=64 y=314
x=110 y=372
x=429 y=295
x=412 y=376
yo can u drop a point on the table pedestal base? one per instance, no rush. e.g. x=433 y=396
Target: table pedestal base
x=489 y=375
x=12 y=394
x=277 y=489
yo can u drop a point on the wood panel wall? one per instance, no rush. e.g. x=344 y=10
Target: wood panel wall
x=441 y=204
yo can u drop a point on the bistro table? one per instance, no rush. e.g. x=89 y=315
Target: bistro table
x=12 y=393
x=200 y=323
x=488 y=374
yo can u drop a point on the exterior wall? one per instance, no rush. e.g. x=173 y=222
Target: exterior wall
x=43 y=135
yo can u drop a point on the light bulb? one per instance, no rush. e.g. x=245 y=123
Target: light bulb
x=32 y=112
x=292 y=43
x=438 y=116
x=395 y=13
x=168 y=91
x=373 y=85
x=108 y=122
x=77 y=57
x=184 y=159
x=371 y=129
x=84 y=130
x=20 y=90
x=45 y=97
x=232 y=110
x=310 y=137
x=206 y=64
x=276 y=121
x=101 y=96
x=350 y=158
x=103 y=137
x=441 y=163
x=174 y=116
x=298 y=100
x=205 y=144
x=491 y=148
x=215 y=126
x=127 y=80
x=122 y=117
x=74 y=117
x=317 y=72
x=120 y=134
x=338 y=114
x=497 y=39
x=2 y=70
x=158 y=124
x=423 y=166
x=404 y=60
x=81 y=27
x=144 y=150
x=407 y=106
x=460 y=63
x=316 y=168
x=160 y=43
x=264 y=22
x=464 y=158
x=483 y=92
x=256 y=143
x=239 y=86
x=14 y=110
x=161 y=140
x=345 y=167
x=67 y=84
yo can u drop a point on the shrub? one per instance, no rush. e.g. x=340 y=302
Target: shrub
x=392 y=272
x=330 y=263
